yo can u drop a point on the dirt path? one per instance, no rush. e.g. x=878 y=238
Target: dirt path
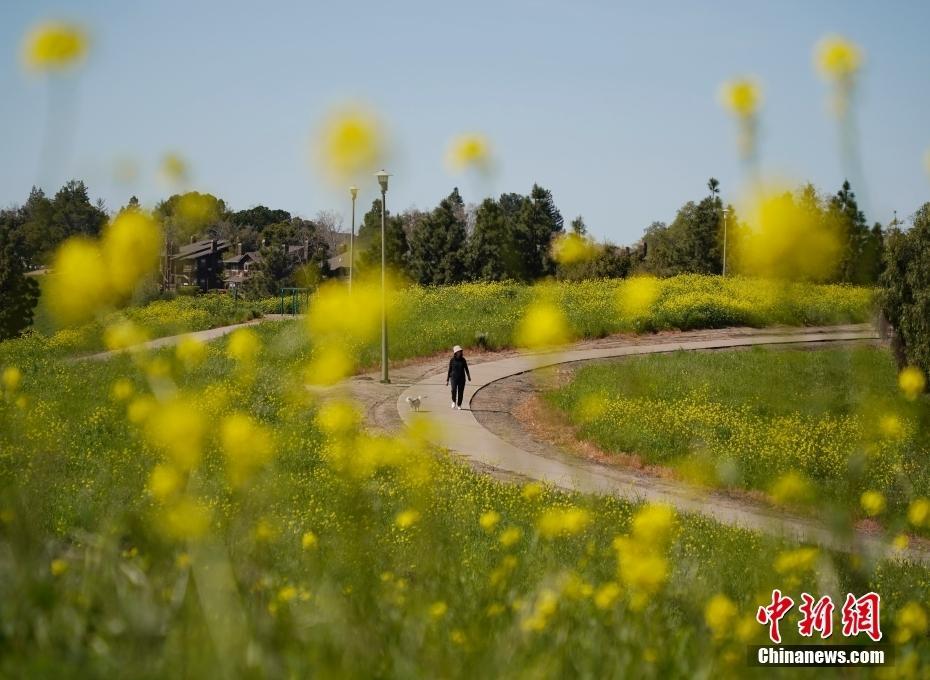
x=489 y=436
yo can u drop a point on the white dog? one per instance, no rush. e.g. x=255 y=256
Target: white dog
x=415 y=402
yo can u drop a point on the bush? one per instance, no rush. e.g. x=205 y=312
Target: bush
x=906 y=290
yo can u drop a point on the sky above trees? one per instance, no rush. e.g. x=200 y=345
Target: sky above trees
x=612 y=108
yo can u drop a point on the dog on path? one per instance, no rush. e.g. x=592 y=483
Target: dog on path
x=414 y=402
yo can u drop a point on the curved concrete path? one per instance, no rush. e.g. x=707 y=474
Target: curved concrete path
x=461 y=433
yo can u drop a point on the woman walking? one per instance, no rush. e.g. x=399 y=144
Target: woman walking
x=458 y=371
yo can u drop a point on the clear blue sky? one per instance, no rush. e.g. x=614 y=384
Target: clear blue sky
x=610 y=105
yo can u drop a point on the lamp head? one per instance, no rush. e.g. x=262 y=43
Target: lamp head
x=382 y=179
x=354 y=192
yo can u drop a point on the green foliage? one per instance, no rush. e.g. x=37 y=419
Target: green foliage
x=48 y=222
x=437 y=244
x=906 y=289
x=862 y=251
x=18 y=293
x=748 y=418
x=368 y=241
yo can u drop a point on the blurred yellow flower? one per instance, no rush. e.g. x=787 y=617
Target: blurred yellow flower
x=244 y=345
x=532 y=490
x=791 y=488
x=900 y=542
x=55 y=46
x=406 y=519
x=338 y=417
x=873 y=502
x=58 y=567
x=719 y=615
x=606 y=595
x=636 y=296
x=178 y=428
x=164 y=481
x=556 y=522
x=543 y=326
x=197 y=210
x=247 y=445
x=12 y=378
x=910 y=622
x=191 y=351
x=571 y=248
x=837 y=58
x=140 y=409
x=335 y=312
x=121 y=389
x=131 y=245
x=912 y=382
x=741 y=97
x=350 y=144
x=438 y=609
x=78 y=287
x=123 y=335
x=919 y=512
x=187 y=518
x=796 y=561
x=510 y=536
x=330 y=364
x=654 y=524
x=309 y=541
x=489 y=520
x=467 y=152
x=891 y=426
x=174 y=169
x=786 y=240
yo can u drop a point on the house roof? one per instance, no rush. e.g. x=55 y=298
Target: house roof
x=240 y=258
x=339 y=261
x=198 y=249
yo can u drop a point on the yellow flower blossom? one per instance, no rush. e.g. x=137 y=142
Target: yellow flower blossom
x=121 y=389
x=12 y=378
x=338 y=417
x=247 y=445
x=556 y=522
x=543 y=326
x=873 y=502
x=837 y=58
x=177 y=427
x=636 y=296
x=545 y=607
x=350 y=144
x=510 y=536
x=140 y=409
x=719 y=615
x=470 y=151
x=78 y=287
x=572 y=248
x=406 y=519
x=912 y=382
x=796 y=561
x=55 y=46
x=910 y=622
x=164 y=481
x=191 y=351
x=532 y=491
x=123 y=335
x=131 y=245
x=174 y=169
x=58 y=566
x=186 y=518
x=309 y=540
x=437 y=610
x=900 y=542
x=244 y=345
x=791 y=488
x=891 y=426
x=489 y=520
x=330 y=364
x=606 y=595
x=741 y=97
x=654 y=524
x=919 y=512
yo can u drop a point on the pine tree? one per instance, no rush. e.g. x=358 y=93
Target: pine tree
x=491 y=255
x=438 y=243
x=368 y=241
x=18 y=293
x=538 y=223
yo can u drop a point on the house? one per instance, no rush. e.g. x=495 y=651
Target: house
x=199 y=263
x=339 y=265
x=238 y=267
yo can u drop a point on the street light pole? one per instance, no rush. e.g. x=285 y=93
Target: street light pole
x=383 y=181
x=725 y=241
x=354 y=191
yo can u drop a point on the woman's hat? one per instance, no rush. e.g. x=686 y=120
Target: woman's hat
x=457 y=348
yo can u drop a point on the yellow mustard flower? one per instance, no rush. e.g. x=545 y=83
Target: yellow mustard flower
x=191 y=351
x=185 y=518
x=131 y=245
x=437 y=610
x=55 y=46
x=543 y=326
x=164 y=481
x=873 y=502
x=406 y=519
x=606 y=595
x=470 y=151
x=919 y=512
x=720 y=614
x=248 y=446
x=121 y=389
x=78 y=288
x=912 y=382
x=174 y=169
x=510 y=536
x=572 y=248
x=309 y=540
x=911 y=622
x=178 y=427
x=244 y=345
x=58 y=566
x=12 y=378
x=837 y=58
x=556 y=522
x=351 y=143
x=741 y=97
x=489 y=520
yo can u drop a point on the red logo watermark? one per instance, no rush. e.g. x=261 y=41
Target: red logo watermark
x=859 y=615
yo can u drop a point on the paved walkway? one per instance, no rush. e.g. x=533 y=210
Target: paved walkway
x=460 y=432
x=171 y=340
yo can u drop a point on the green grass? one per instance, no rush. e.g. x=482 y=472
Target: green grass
x=747 y=418
x=128 y=599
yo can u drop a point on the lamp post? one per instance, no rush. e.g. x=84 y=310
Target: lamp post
x=725 y=211
x=354 y=192
x=383 y=182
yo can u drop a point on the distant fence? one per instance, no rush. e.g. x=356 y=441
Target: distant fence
x=294 y=300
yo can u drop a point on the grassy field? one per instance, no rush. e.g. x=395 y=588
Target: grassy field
x=321 y=549
x=803 y=426
x=197 y=511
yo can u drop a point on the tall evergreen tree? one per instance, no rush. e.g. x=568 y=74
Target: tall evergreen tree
x=538 y=223
x=18 y=293
x=861 y=259
x=438 y=243
x=491 y=255
x=368 y=240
